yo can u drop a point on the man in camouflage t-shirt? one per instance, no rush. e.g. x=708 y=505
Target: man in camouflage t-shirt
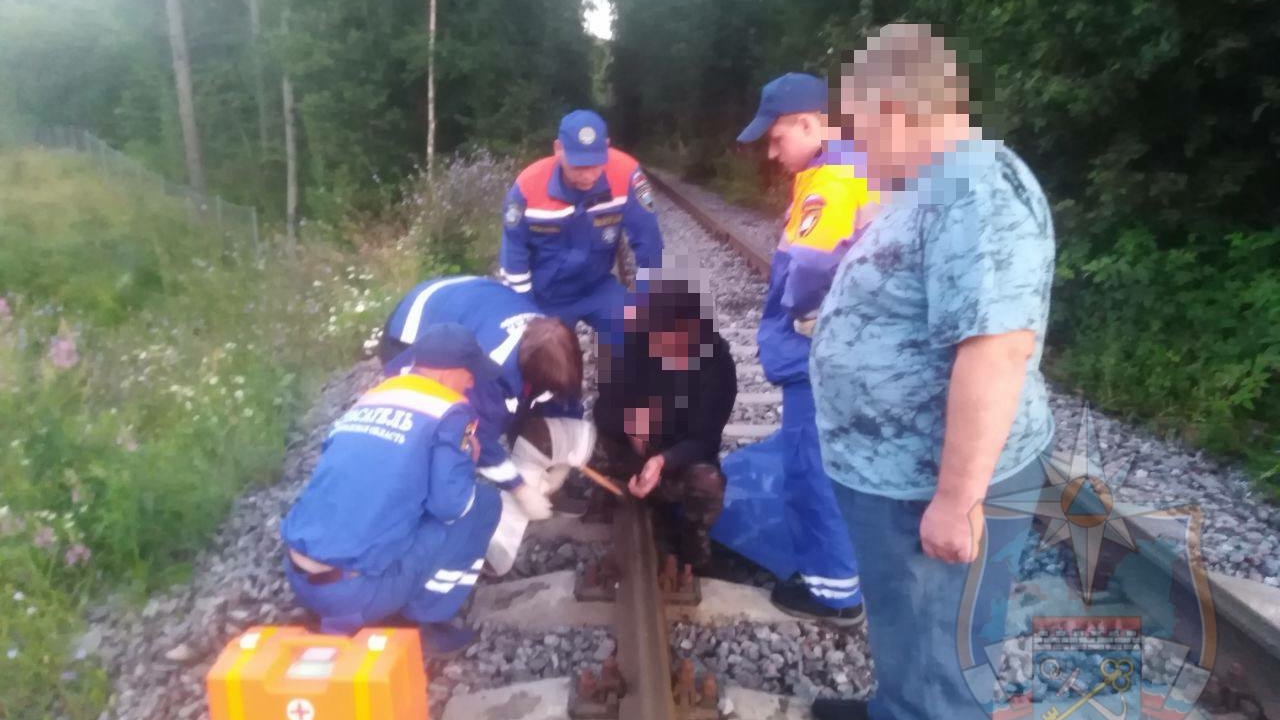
x=925 y=362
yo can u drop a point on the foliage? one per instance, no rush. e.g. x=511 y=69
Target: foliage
x=1187 y=338
x=506 y=71
x=453 y=221
x=146 y=377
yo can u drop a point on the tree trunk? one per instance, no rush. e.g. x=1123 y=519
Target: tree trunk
x=290 y=150
x=259 y=80
x=431 y=86
x=291 y=163
x=186 y=105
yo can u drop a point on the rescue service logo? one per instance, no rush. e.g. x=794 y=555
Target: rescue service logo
x=642 y=190
x=609 y=235
x=1082 y=606
x=812 y=213
x=586 y=136
x=511 y=216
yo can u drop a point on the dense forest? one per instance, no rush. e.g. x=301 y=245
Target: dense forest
x=1154 y=126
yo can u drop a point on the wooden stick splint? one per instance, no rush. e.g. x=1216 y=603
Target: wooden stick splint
x=604 y=482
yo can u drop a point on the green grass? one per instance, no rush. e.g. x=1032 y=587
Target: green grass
x=148 y=374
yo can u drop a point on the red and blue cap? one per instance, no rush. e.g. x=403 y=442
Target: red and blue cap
x=584 y=138
x=791 y=93
x=445 y=346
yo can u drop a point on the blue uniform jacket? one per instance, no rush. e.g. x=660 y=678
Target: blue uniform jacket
x=393 y=465
x=560 y=243
x=497 y=316
x=829 y=204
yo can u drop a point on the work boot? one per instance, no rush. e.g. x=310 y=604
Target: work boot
x=794 y=599
x=828 y=709
x=443 y=641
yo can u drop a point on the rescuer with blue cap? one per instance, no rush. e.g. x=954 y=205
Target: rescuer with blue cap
x=392 y=525
x=563 y=218
x=830 y=204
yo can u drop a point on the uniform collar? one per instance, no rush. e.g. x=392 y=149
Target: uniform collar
x=843 y=152
x=839 y=152
x=557 y=188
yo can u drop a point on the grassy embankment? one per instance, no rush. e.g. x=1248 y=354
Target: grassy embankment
x=149 y=373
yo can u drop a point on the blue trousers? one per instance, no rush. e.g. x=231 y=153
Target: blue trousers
x=824 y=552
x=915 y=608
x=601 y=308
x=428 y=585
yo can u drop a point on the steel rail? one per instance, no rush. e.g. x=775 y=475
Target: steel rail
x=644 y=652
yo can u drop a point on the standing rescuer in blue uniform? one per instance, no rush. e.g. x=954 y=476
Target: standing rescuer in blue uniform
x=392 y=522
x=830 y=202
x=564 y=217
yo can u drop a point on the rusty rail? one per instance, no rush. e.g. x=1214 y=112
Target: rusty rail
x=755 y=260
x=644 y=653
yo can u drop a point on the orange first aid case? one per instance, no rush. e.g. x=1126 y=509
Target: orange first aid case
x=288 y=673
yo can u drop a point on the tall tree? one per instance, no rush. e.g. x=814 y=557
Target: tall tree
x=431 y=86
x=290 y=150
x=259 y=80
x=186 y=104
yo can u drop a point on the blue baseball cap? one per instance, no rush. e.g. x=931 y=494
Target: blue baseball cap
x=444 y=346
x=585 y=139
x=791 y=93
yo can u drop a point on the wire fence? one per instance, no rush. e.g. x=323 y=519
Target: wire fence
x=235 y=224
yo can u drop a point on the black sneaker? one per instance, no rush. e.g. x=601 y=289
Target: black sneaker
x=795 y=600
x=840 y=710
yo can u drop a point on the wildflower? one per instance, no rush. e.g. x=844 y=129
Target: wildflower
x=19 y=596
x=44 y=537
x=12 y=654
x=77 y=554
x=62 y=351
x=6 y=314
x=248 y=412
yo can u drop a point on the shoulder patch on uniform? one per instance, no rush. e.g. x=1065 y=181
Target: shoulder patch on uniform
x=513 y=214
x=642 y=190
x=809 y=221
x=468 y=435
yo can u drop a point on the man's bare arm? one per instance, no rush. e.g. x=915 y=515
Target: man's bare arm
x=982 y=400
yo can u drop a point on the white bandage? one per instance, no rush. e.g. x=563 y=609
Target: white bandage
x=572 y=441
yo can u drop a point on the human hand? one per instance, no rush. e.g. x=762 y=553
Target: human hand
x=951 y=531
x=644 y=483
x=804 y=327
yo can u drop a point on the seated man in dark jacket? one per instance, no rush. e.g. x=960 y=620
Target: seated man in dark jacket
x=667 y=389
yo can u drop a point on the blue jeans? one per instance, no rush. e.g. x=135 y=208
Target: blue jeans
x=915 y=607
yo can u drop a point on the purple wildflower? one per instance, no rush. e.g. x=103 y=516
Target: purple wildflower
x=62 y=351
x=44 y=537
x=77 y=554
x=6 y=313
